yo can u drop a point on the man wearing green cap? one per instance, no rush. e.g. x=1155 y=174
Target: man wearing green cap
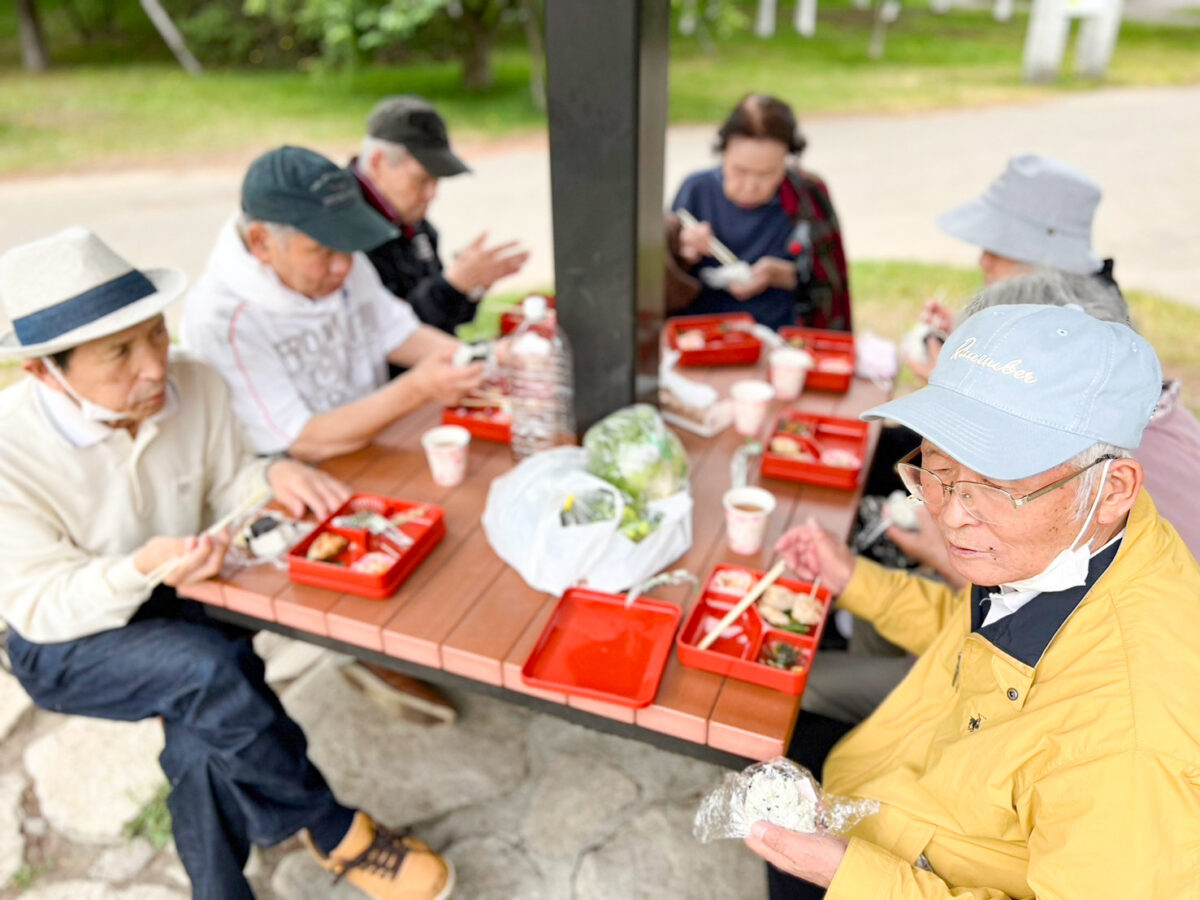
x=295 y=319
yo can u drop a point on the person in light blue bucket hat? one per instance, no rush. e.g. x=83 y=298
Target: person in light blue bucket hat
x=1048 y=715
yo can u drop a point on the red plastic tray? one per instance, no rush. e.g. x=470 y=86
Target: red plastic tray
x=723 y=345
x=736 y=652
x=511 y=319
x=426 y=531
x=486 y=423
x=827 y=348
x=593 y=647
x=822 y=433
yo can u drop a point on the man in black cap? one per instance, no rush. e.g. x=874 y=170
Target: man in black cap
x=405 y=153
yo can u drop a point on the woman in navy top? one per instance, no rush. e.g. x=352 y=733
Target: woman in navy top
x=772 y=216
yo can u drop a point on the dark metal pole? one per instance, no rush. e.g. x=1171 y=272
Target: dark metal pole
x=607 y=101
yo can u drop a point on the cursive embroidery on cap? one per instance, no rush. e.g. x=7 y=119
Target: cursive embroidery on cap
x=1012 y=367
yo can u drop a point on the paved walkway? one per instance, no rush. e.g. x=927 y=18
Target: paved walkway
x=890 y=176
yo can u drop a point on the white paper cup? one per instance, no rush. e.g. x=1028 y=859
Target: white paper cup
x=446 y=450
x=789 y=367
x=750 y=402
x=747 y=510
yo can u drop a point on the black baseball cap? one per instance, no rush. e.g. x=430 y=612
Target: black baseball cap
x=297 y=187
x=414 y=124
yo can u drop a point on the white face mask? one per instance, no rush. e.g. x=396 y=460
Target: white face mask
x=93 y=412
x=1070 y=568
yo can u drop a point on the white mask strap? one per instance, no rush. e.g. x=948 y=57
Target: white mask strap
x=1087 y=523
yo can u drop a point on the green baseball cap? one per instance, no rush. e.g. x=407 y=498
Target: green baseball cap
x=297 y=187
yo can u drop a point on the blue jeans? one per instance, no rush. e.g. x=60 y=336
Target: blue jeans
x=237 y=765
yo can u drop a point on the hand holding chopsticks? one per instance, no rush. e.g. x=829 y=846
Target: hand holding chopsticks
x=752 y=595
x=720 y=252
x=164 y=571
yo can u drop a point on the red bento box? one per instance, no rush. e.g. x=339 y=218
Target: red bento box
x=422 y=523
x=816 y=435
x=736 y=652
x=726 y=343
x=832 y=353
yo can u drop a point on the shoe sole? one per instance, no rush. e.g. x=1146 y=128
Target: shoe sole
x=450 y=877
x=384 y=694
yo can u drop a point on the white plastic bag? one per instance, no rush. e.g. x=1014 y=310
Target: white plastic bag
x=522 y=521
x=782 y=793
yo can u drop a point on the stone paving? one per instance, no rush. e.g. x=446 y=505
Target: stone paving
x=529 y=807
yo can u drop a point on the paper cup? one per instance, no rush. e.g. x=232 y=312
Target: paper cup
x=446 y=450
x=750 y=402
x=747 y=511
x=789 y=367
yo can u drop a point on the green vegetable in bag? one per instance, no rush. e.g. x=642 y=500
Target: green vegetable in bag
x=635 y=451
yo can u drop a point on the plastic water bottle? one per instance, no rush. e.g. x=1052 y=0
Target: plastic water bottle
x=539 y=363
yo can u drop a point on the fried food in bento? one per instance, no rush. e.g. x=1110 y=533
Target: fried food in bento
x=374 y=563
x=778 y=597
x=807 y=610
x=733 y=581
x=326 y=547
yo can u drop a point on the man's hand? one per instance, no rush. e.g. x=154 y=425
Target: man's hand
x=200 y=557
x=813 y=857
x=438 y=379
x=810 y=550
x=767 y=272
x=299 y=487
x=695 y=242
x=478 y=267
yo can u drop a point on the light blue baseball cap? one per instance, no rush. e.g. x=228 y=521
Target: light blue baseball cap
x=1018 y=390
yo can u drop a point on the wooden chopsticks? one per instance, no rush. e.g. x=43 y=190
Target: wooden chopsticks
x=720 y=252
x=753 y=594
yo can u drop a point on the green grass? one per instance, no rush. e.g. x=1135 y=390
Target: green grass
x=26 y=876
x=123 y=102
x=153 y=821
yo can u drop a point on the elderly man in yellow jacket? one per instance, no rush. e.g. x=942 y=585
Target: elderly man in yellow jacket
x=1047 y=741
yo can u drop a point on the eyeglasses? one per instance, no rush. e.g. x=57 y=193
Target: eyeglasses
x=985 y=502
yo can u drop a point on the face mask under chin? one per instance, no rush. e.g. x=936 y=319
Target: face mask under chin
x=1070 y=567
x=93 y=412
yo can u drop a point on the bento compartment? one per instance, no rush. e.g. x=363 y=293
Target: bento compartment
x=489 y=423
x=719 y=340
x=794 y=651
x=382 y=548
x=739 y=641
x=832 y=353
x=812 y=449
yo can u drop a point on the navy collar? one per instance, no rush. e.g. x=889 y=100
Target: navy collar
x=1027 y=633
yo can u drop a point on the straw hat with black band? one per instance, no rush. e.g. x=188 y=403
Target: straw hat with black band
x=71 y=288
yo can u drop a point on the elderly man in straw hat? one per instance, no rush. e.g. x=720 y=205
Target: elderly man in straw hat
x=1047 y=741
x=113 y=459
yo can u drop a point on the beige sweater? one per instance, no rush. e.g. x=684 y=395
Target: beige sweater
x=77 y=499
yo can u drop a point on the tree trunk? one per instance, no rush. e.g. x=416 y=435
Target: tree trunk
x=477 y=55
x=170 y=34
x=34 y=57
x=537 y=54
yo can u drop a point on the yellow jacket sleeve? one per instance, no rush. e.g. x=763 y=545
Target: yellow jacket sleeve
x=905 y=609
x=1122 y=827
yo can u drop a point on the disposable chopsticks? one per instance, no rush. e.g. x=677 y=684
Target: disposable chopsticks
x=753 y=594
x=157 y=576
x=720 y=252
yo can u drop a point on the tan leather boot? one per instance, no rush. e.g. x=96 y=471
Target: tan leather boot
x=386 y=865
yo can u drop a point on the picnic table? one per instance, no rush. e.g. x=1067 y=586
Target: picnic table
x=466 y=619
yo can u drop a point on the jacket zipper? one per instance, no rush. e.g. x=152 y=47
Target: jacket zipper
x=957 y=669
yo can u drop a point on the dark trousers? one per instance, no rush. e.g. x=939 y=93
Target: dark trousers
x=237 y=765
x=811 y=742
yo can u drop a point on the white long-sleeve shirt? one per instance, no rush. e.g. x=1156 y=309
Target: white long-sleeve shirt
x=287 y=357
x=77 y=498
